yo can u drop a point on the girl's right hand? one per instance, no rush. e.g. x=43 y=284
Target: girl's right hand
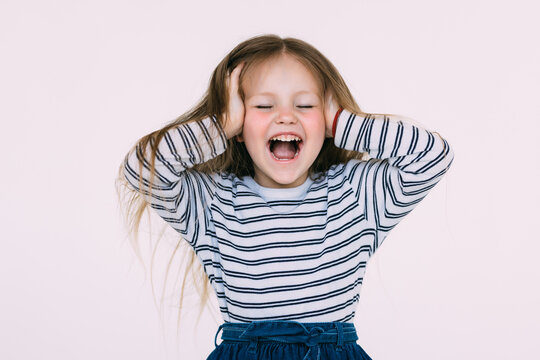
x=234 y=118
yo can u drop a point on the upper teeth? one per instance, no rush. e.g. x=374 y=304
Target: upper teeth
x=286 y=138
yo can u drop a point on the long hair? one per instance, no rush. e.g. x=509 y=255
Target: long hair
x=236 y=160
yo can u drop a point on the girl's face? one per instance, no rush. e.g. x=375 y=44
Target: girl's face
x=284 y=126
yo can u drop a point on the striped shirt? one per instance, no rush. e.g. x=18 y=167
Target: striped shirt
x=295 y=253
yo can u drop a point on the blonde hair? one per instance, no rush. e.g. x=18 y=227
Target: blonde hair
x=235 y=159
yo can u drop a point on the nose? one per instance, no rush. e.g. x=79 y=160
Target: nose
x=286 y=116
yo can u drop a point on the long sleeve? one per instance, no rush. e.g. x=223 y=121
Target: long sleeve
x=179 y=195
x=406 y=162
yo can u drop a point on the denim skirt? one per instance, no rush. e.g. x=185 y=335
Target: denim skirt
x=283 y=339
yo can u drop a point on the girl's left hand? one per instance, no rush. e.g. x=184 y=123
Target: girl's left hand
x=330 y=109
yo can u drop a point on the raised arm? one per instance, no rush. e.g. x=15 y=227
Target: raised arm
x=178 y=194
x=406 y=162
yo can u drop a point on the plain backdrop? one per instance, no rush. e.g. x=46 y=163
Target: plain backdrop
x=81 y=81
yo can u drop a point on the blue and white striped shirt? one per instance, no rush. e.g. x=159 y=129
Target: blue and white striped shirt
x=297 y=253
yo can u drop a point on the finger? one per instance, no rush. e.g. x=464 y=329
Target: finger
x=235 y=75
x=329 y=98
x=239 y=67
x=328 y=101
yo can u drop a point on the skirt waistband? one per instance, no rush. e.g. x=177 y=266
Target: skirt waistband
x=287 y=331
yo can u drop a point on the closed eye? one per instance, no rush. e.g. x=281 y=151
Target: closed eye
x=270 y=106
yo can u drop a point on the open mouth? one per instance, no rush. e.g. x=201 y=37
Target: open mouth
x=285 y=147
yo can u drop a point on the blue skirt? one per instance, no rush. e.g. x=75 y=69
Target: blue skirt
x=283 y=339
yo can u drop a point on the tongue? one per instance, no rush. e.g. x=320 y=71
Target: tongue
x=284 y=150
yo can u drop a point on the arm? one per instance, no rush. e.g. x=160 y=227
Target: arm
x=407 y=162
x=178 y=194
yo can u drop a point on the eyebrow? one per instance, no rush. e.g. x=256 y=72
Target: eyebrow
x=296 y=93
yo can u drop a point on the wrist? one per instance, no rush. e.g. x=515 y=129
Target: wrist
x=229 y=127
x=334 y=124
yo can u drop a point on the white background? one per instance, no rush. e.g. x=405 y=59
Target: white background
x=80 y=81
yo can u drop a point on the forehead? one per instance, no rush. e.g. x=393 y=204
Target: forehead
x=282 y=75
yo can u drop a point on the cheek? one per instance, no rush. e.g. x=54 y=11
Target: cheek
x=254 y=130
x=254 y=123
x=256 y=115
x=316 y=123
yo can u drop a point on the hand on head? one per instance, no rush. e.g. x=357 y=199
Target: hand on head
x=330 y=109
x=234 y=118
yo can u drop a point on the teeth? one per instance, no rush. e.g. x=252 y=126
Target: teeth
x=286 y=138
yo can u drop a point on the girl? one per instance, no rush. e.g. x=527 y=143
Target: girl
x=267 y=180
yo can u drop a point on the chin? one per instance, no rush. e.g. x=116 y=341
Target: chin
x=289 y=181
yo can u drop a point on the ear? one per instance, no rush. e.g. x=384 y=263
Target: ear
x=239 y=138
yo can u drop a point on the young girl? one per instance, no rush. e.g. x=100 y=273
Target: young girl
x=267 y=180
